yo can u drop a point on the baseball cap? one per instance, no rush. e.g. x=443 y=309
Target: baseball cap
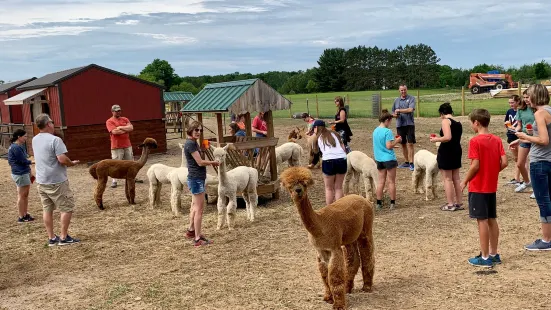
x=116 y=107
x=318 y=122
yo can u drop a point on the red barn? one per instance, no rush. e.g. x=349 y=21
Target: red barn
x=79 y=102
x=11 y=117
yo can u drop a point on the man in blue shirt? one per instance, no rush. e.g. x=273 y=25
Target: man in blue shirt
x=402 y=110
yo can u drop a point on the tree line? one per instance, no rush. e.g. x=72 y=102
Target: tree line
x=355 y=69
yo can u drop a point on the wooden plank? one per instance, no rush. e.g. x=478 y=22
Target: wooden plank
x=273 y=165
x=219 y=129
x=248 y=126
x=252 y=144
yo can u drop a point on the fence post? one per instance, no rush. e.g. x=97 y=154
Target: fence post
x=462 y=100
x=317 y=108
x=418 y=103
x=519 y=89
x=290 y=108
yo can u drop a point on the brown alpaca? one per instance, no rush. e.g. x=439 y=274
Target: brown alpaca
x=313 y=148
x=347 y=222
x=120 y=169
x=295 y=134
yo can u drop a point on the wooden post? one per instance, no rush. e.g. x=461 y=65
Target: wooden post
x=519 y=89
x=273 y=165
x=462 y=100
x=219 y=129
x=290 y=112
x=200 y=120
x=317 y=108
x=248 y=125
x=224 y=118
x=418 y=107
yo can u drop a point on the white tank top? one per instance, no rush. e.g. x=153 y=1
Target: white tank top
x=328 y=152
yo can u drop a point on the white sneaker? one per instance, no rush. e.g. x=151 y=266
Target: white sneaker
x=533 y=196
x=522 y=187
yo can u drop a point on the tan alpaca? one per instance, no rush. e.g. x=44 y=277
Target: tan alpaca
x=347 y=222
x=120 y=169
x=312 y=148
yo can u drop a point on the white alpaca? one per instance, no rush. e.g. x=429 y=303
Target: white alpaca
x=159 y=174
x=425 y=165
x=360 y=164
x=241 y=179
x=289 y=152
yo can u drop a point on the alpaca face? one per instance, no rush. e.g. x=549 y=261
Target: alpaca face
x=149 y=142
x=219 y=154
x=296 y=180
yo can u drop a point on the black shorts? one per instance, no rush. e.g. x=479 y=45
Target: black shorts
x=407 y=133
x=482 y=206
x=386 y=165
x=333 y=166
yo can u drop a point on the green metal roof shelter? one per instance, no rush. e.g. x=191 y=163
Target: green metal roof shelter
x=242 y=98
x=176 y=100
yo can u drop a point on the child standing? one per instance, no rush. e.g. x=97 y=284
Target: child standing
x=487 y=160
x=383 y=149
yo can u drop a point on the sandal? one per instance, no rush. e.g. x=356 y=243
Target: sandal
x=449 y=208
x=459 y=206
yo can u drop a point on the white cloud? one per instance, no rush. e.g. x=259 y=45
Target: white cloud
x=128 y=22
x=25 y=33
x=170 y=39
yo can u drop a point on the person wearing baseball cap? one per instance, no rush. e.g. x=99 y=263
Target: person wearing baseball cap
x=333 y=161
x=119 y=128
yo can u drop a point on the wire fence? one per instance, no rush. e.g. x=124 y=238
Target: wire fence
x=366 y=104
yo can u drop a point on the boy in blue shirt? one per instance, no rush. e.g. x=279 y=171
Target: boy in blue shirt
x=383 y=149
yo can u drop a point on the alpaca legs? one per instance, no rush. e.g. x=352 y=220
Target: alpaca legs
x=337 y=279
x=231 y=209
x=98 y=195
x=347 y=178
x=368 y=183
x=221 y=205
x=130 y=189
x=247 y=205
x=155 y=193
x=175 y=198
x=352 y=264
x=253 y=202
x=323 y=259
x=158 y=194
x=366 y=247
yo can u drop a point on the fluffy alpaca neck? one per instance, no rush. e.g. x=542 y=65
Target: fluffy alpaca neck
x=143 y=158
x=222 y=175
x=310 y=219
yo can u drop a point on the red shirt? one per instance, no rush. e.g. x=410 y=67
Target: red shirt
x=488 y=149
x=259 y=124
x=118 y=141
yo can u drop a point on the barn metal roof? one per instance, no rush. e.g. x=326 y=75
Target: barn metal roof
x=218 y=96
x=9 y=86
x=177 y=96
x=56 y=77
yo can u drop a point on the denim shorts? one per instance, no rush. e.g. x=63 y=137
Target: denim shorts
x=22 y=180
x=333 y=166
x=196 y=186
x=540 y=175
x=525 y=145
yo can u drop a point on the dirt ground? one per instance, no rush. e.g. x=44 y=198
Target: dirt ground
x=134 y=257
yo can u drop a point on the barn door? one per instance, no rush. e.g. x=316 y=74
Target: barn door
x=16 y=114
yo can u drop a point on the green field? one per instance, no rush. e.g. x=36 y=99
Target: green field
x=361 y=104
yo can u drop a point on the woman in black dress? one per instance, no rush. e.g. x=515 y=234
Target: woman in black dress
x=341 y=124
x=449 y=157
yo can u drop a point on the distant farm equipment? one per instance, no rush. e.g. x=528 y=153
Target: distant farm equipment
x=484 y=82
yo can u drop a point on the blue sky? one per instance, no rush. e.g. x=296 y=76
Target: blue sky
x=216 y=37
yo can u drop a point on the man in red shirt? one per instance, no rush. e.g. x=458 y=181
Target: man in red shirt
x=487 y=160
x=119 y=128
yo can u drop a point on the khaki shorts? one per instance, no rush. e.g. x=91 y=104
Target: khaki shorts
x=56 y=195
x=122 y=154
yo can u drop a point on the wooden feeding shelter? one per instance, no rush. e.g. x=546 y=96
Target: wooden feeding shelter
x=174 y=102
x=243 y=97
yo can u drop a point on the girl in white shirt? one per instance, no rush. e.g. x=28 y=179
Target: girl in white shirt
x=333 y=161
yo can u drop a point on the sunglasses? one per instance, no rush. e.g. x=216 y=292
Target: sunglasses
x=198 y=130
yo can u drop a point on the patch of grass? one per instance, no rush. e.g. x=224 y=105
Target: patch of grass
x=116 y=292
x=153 y=291
x=361 y=103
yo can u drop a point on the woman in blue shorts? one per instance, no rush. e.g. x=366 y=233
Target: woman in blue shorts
x=333 y=161
x=524 y=117
x=197 y=174
x=20 y=173
x=383 y=149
